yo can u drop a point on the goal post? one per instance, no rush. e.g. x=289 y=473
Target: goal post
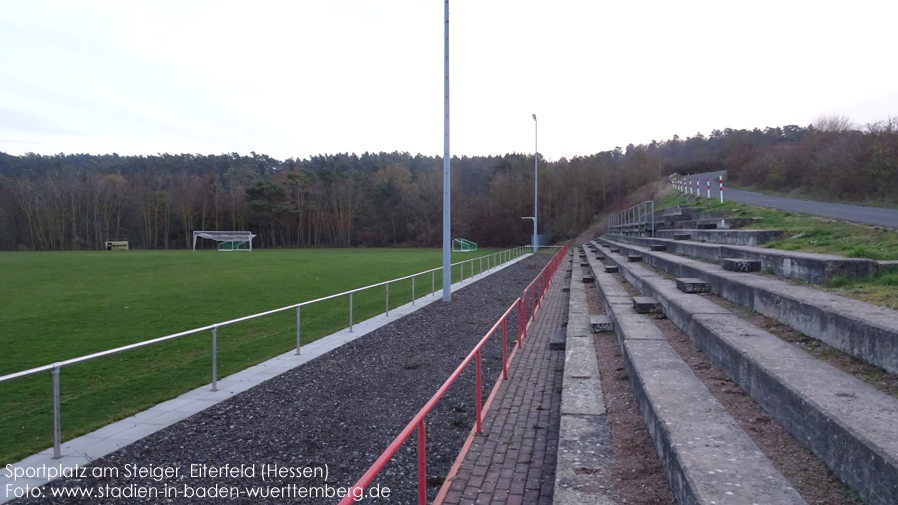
x=462 y=245
x=227 y=240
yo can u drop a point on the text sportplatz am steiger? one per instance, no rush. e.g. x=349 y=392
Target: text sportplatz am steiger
x=312 y=482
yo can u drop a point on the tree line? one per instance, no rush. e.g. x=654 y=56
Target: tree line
x=78 y=201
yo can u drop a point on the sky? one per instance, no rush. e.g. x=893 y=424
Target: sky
x=307 y=77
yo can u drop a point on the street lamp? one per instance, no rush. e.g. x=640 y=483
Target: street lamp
x=535 y=180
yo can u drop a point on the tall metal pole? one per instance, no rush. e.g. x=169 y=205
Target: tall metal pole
x=447 y=219
x=535 y=179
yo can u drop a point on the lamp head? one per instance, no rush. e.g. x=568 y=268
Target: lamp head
x=534 y=117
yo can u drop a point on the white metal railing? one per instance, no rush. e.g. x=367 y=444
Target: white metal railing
x=638 y=220
x=492 y=260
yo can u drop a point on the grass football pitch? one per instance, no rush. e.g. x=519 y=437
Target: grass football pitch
x=61 y=305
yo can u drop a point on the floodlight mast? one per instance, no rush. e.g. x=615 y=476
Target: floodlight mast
x=447 y=218
x=535 y=180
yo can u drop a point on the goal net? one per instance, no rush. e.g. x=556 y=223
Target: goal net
x=462 y=245
x=227 y=240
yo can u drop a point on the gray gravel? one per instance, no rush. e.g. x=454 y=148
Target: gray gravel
x=340 y=410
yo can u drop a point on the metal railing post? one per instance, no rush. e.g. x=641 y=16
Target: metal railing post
x=215 y=358
x=478 y=393
x=433 y=286
x=413 y=290
x=57 y=421
x=504 y=349
x=388 y=299
x=533 y=303
x=350 y=311
x=422 y=464
x=298 y=341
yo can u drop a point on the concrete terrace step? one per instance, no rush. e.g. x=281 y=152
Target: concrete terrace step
x=727 y=237
x=810 y=267
x=707 y=457
x=862 y=330
x=725 y=223
x=848 y=424
x=583 y=470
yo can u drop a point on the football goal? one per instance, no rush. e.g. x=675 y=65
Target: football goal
x=462 y=245
x=227 y=240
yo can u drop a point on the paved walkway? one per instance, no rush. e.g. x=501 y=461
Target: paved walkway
x=513 y=461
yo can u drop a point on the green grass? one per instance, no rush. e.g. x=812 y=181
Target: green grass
x=61 y=305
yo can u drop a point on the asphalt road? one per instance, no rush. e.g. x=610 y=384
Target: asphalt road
x=855 y=213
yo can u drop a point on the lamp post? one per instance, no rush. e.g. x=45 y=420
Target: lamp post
x=535 y=179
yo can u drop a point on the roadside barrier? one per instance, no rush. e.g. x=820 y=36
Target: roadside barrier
x=536 y=289
x=493 y=260
x=684 y=185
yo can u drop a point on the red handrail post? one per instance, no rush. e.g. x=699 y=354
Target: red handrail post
x=422 y=465
x=541 y=282
x=504 y=349
x=521 y=329
x=477 y=395
x=533 y=304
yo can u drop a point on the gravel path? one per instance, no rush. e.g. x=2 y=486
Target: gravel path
x=340 y=410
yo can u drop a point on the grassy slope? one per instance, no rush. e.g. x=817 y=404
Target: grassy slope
x=60 y=305
x=812 y=234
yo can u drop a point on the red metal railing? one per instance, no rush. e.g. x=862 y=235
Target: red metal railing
x=538 y=287
x=417 y=423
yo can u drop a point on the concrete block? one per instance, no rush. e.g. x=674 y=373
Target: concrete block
x=558 y=340
x=682 y=236
x=646 y=305
x=740 y=265
x=614 y=249
x=601 y=324
x=588 y=280
x=600 y=256
x=634 y=258
x=693 y=285
x=659 y=247
x=584 y=264
x=610 y=269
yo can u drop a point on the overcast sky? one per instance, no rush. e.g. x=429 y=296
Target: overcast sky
x=300 y=78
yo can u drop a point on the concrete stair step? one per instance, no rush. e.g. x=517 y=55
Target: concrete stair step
x=811 y=267
x=862 y=330
x=851 y=426
x=702 y=448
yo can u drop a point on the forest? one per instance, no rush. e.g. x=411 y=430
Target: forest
x=78 y=201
